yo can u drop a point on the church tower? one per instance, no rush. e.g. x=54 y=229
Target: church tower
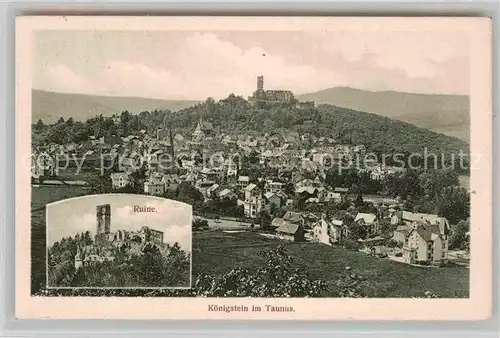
x=103 y=220
x=171 y=139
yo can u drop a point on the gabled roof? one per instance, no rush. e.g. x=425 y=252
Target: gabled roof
x=367 y=218
x=288 y=228
x=337 y=222
x=268 y=195
x=119 y=175
x=277 y=222
x=225 y=192
x=309 y=190
x=293 y=216
x=427 y=230
x=250 y=187
x=341 y=190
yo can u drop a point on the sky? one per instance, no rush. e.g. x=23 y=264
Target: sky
x=69 y=217
x=194 y=65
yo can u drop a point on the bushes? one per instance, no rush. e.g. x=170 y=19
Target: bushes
x=349 y=244
x=199 y=224
x=393 y=244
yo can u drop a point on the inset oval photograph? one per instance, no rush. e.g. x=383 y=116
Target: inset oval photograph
x=118 y=241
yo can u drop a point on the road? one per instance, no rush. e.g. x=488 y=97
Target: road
x=225 y=224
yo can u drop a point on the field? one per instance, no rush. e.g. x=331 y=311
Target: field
x=40 y=196
x=216 y=252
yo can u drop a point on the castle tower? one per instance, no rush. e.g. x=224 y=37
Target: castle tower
x=260 y=83
x=103 y=220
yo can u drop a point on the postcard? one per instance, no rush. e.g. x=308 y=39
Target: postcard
x=270 y=168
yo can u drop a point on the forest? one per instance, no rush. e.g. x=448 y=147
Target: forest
x=149 y=268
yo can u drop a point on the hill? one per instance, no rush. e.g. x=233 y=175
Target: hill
x=50 y=106
x=447 y=114
x=235 y=115
x=378 y=133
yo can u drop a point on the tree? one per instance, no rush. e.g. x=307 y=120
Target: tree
x=189 y=194
x=434 y=181
x=39 y=126
x=454 y=204
x=200 y=224
x=100 y=184
x=265 y=219
x=359 y=201
x=458 y=237
x=359 y=230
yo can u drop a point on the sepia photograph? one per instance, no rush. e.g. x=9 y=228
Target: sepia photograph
x=329 y=162
x=120 y=241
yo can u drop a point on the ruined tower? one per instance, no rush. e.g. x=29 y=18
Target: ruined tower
x=103 y=220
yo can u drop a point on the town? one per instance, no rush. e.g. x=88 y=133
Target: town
x=279 y=184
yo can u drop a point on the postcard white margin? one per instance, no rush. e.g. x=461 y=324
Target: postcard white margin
x=477 y=306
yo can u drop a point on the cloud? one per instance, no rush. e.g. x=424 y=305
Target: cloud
x=196 y=65
x=62 y=77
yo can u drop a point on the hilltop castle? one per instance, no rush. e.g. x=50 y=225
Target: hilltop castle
x=263 y=98
x=106 y=242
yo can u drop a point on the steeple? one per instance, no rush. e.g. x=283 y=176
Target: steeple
x=171 y=140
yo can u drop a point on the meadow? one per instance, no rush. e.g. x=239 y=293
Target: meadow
x=216 y=252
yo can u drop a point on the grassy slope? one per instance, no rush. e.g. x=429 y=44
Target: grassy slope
x=218 y=252
x=50 y=106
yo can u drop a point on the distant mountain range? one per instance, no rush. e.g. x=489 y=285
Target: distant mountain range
x=50 y=106
x=447 y=114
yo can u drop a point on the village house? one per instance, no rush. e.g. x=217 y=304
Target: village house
x=253 y=201
x=154 y=186
x=209 y=174
x=290 y=232
x=295 y=218
x=271 y=199
x=213 y=190
x=401 y=233
x=408 y=218
x=231 y=168
x=368 y=220
x=204 y=187
x=342 y=191
x=121 y=180
x=425 y=245
x=171 y=182
x=227 y=194
x=327 y=231
x=42 y=165
x=203 y=134
x=243 y=181
x=274 y=187
x=425 y=237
